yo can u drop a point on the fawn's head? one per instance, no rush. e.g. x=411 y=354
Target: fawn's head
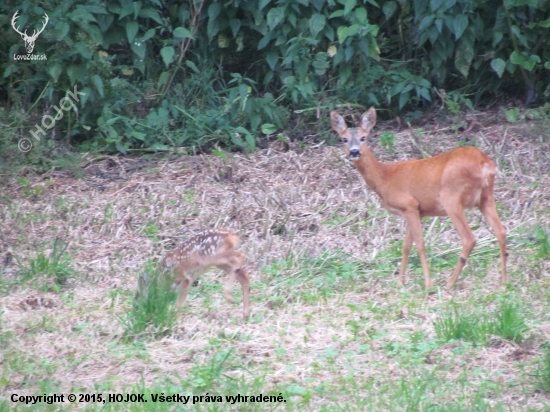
x=354 y=138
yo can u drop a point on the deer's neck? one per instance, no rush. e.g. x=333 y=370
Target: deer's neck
x=371 y=170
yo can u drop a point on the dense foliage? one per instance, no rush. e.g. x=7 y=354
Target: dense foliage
x=158 y=74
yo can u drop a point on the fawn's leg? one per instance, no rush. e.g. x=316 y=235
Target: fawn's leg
x=244 y=279
x=183 y=291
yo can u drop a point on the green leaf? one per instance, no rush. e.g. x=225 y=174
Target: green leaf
x=497 y=38
x=182 y=32
x=167 y=54
x=290 y=18
x=320 y=64
x=98 y=83
x=460 y=23
x=268 y=128
x=121 y=147
x=426 y=22
x=272 y=59
x=192 y=66
x=139 y=49
x=463 y=57
x=236 y=139
x=516 y=58
x=318 y=4
x=403 y=99
x=547 y=65
x=63 y=28
x=149 y=34
x=93 y=9
x=345 y=32
x=132 y=28
x=213 y=27
x=545 y=23
x=214 y=10
x=137 y=8
x=349 y=6
x=159 y=147
x=435 y=4
x=126 y=10
x=265 y=40
x=275 y=16
x=397 y=88
x=87 y=93
x=263 y=3
x=163 y=78
x=138 y=135
x=425 y=93
x=76 y=73
x=512 y=115
x=81 y=16
x=361 y=16
x=439 y=24
x=447 y=4
x=498 y=65
x=55 y=70
x=389 y=8
x=220 y=153
x=250 y=142
x=374 y=51
x=9 y=70
x=527 y=62
x=337 y=13
x=151 y=14
x=316 y=23
x=235 y=26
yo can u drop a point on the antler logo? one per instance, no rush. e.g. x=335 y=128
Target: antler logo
x=29 y=40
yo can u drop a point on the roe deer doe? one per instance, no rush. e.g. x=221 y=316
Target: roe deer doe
x=443 y=185
x=194 y=256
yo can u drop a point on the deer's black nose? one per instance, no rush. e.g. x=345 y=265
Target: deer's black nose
x=354 y=153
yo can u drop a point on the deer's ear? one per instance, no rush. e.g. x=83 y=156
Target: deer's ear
x=368 y=120
x=338 y=123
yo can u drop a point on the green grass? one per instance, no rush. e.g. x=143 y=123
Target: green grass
x=543 y=373
x=312 y=280
x=153 y=308
x=55 y=265
x=506 y=322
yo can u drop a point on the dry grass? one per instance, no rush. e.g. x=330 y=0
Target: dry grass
x=289 y=207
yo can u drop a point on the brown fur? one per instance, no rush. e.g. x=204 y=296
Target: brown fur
x=443 y=185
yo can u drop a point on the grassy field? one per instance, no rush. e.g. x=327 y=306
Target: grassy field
x=330 y=327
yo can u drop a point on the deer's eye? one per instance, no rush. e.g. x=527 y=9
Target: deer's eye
x=363 y=139
x=345 y=140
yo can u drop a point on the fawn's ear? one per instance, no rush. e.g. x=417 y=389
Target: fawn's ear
x=338 y=123
x=368 y=120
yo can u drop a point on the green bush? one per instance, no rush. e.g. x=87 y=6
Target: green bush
x=157 y=75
